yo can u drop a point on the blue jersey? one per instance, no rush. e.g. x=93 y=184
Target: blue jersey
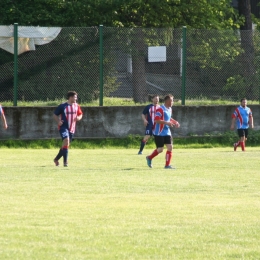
x=149 y=112
x=68 y=114
x=163 y=113
x=242 y=116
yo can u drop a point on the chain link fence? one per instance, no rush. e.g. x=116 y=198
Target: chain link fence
x=137 y=63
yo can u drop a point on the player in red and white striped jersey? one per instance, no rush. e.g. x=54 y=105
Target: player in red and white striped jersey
x=66 y=115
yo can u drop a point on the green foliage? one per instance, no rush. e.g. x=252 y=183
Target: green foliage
x=237 y=85
x=128 y=13
x=208 y=140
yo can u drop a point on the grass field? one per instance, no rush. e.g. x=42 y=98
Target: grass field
x=109 y=205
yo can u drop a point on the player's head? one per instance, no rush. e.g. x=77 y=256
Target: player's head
x=72 y=96
x=168 y=100
x=155 y=99
x=243 y=102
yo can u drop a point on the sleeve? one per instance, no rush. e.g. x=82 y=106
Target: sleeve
x=234 y=115
x=1 y=111
x=58 y=110
x=79 y=112
x=146 y=110
x=158 y=114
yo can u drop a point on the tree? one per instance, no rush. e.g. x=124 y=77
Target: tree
x=214 y=14
x=206 y=14
x=247 y=43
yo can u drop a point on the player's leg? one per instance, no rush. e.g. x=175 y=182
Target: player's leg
x=148 y=133
x=168 y=155
x=143 y=143
x=159 y=142
x=63 y=134
x=240 y=133
x=243 y=139
x=65 y=150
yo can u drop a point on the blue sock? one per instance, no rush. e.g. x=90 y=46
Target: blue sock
x=65 y=153
x=59 y=155
x=142 y=145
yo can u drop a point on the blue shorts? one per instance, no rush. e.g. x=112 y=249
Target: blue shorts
x=64 y=133
x=148 y=130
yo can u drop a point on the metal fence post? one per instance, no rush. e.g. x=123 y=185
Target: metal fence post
x=101 y=72
x=183 y=60
x=15 y=63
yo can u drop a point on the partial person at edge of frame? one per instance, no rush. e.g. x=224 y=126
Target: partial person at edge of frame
x=2 y=115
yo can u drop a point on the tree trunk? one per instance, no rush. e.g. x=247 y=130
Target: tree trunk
x=247 y=59
x=138 y=67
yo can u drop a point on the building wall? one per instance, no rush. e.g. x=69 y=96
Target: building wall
x=102 y=122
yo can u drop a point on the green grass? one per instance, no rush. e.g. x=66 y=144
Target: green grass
x=111 y=101
x=109 y=205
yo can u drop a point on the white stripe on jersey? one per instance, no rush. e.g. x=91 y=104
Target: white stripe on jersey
x=71 y=114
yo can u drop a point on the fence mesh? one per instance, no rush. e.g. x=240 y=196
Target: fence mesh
x=137 y=62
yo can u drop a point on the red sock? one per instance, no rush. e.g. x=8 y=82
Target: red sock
x=155 y=153
x=238 y=143
x=168 y=158
x=242 y=146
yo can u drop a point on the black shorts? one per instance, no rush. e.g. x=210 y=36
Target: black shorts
x=160 y=141
x=242 y=132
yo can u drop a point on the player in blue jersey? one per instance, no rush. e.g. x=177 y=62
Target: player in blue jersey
x=243 y=118
x=66 y=115
x=2 y=115
x=162 y=131
x=148 y=119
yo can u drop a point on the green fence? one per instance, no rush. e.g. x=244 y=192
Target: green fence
x=134 y=63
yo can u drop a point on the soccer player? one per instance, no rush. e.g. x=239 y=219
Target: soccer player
x=66 y=115
x=162 y=132
x=148 y=119
x=243 y=118
x=2 y=115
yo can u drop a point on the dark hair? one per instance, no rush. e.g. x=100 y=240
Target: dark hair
x=168 y=97
x=155 y=95
x=71 y=94
x=242 y=99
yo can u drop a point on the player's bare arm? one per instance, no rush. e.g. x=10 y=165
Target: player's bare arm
x=232 y=123
x=175 y=123
x=144 y=120
x=4 y=121
x=79 y=117
x=58 y=120
x=171 y=124
x=251 y=122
